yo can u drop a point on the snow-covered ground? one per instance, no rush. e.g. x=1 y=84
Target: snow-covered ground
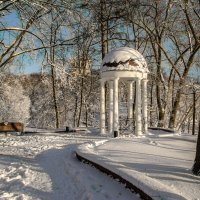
x=159 y=164
x=43 y=165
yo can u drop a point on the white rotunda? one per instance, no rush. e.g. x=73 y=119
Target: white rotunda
x=127 y=64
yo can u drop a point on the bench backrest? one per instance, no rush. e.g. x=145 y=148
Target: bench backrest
x=12 y=127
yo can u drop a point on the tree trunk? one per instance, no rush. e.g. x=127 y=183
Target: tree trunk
x=188 y=125
x=161 y=112
x=104 y=29
x=175 y=106
x=55 y=97
x=194 y=111
x=52 y=60
x=184 y=117
x=75 y=110
x=151 y=105
x=86 y=116
x=196 y=166
x=172 y=122
x=81 y=103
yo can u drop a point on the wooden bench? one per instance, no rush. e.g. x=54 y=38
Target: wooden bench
x=12 y=127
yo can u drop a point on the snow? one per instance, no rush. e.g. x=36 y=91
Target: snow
x=124 y=54
x=159 y=163
x=43 y=165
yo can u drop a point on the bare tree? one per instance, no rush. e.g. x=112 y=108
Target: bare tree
x=188 y=54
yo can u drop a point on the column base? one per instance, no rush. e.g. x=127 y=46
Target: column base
x=116 y=134
x=139 y=133
x=103 y=132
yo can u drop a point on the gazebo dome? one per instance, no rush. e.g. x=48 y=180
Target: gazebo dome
x=124 y=59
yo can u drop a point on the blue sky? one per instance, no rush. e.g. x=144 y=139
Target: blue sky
x=28 y=66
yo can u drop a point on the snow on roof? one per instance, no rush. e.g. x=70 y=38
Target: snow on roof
x=124 y=58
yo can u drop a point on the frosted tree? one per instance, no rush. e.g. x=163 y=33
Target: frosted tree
x=14 y=105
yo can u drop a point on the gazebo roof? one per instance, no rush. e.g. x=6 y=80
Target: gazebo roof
x=124 y=59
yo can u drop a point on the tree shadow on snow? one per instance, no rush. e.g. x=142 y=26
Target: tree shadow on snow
x=53 y=170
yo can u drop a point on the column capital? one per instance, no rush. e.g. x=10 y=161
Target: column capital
x=138 y=79
x=145 y=80
x=102 y=80
x=111 y=81
x=131 y=81
x=116 y=78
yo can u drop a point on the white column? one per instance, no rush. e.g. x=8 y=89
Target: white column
x=138 y=108
x=144 y=106
x=115 y=107
x=111 y=106
x=130 y=103
x=102 y=116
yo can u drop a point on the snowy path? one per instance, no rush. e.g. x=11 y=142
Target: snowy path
x=44 y=167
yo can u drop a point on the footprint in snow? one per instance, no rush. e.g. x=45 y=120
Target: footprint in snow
x=97 y=188
x=153 y=143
